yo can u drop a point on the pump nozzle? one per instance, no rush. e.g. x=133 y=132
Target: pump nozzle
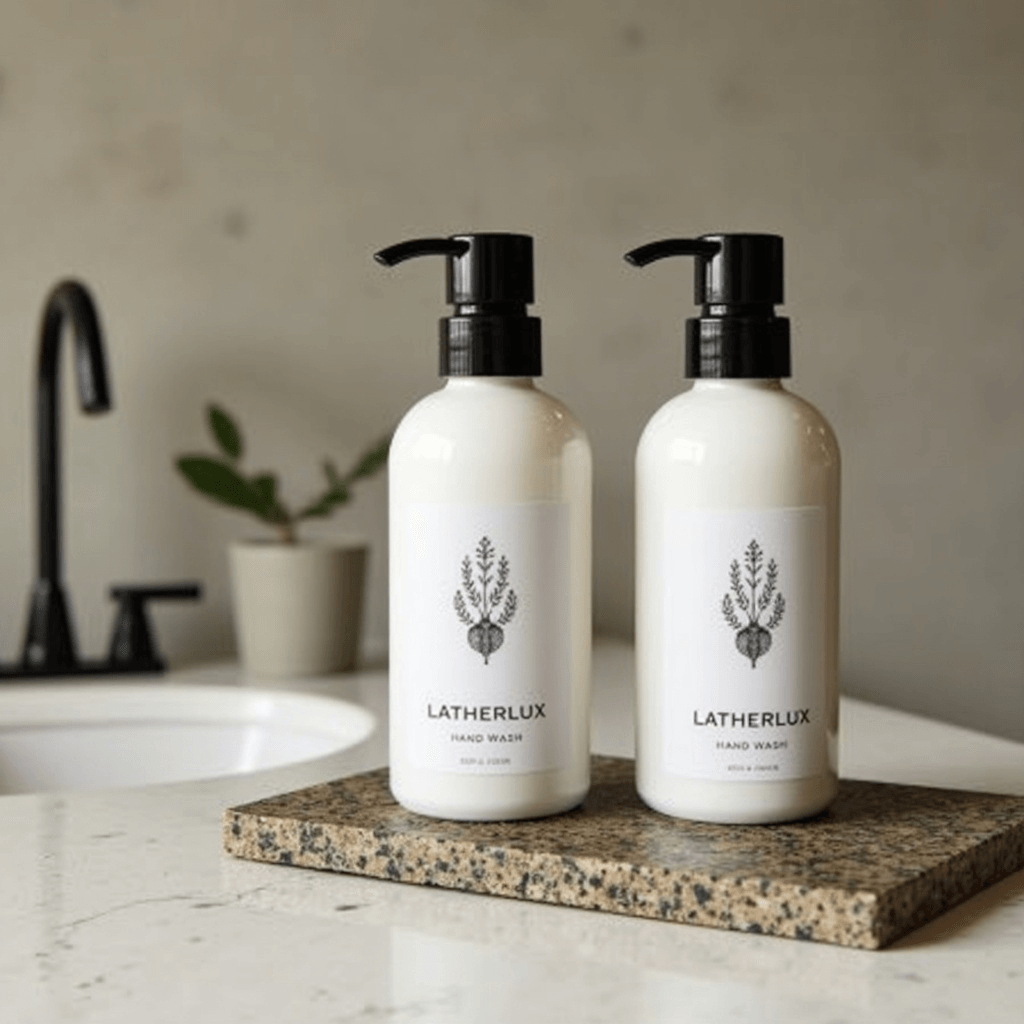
x=738 y=281
x=421 y=247
x=490 y=283
x=671 y=247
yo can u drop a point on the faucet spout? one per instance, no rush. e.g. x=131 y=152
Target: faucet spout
x=49 y=639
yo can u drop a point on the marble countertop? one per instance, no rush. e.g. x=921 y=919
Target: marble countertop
x=119 y=906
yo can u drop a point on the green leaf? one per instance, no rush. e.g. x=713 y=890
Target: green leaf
x=326 y=504
x=317 y=510
x=332 y=474
x=372 y=460
x=225 y=431
x=265 y=486
x=221 y=482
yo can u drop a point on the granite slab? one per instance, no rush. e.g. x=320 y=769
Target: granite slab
x=883 y=860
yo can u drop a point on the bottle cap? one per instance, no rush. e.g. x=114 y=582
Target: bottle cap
x=490 y=282
x=738 y=282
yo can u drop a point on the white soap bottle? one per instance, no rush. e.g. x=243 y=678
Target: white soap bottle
x=490 y=560
x=737 y=575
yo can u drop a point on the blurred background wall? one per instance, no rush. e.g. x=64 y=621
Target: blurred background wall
x=220 y=172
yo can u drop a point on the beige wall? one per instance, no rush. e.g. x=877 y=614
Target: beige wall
x=219 y=172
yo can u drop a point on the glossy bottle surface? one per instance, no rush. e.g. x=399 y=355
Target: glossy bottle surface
x=748 y=449
x=487 y=450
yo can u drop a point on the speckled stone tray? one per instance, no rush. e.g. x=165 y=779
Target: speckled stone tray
x=881 y=861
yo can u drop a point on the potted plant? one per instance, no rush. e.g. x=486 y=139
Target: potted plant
x=297 y=605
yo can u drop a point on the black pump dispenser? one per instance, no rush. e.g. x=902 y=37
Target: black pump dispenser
x=738 y=282
x=490 y=283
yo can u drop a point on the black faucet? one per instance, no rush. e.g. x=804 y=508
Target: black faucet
x=49 y=639
x=49 y=648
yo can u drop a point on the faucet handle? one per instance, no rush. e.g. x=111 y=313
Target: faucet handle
x=131 y=644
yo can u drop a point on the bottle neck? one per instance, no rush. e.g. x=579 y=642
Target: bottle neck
x=734 y=383
x=737 y=345
x=517 y=383
x=491 y=341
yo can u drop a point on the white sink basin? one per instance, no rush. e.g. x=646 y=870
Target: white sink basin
x=56 y=736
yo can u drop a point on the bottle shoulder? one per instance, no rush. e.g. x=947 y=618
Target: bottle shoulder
x=490 y=445
x=702 y=421
x=472 y=417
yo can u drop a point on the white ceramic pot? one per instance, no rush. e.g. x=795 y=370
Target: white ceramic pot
x=298 y=608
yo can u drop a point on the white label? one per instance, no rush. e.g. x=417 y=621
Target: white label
x=744 y=644
x=489 y=638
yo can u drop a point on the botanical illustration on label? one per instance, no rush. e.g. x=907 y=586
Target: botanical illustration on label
x=754 y=640
x=485 y=635
x=744 y=644
x=487 y=638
